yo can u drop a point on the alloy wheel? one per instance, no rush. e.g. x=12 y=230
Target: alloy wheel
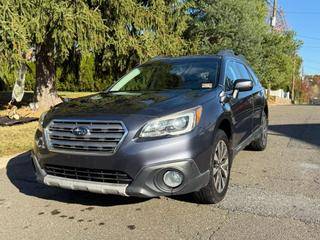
x=220 y=166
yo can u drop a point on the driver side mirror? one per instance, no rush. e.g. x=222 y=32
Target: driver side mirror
x=241 y=85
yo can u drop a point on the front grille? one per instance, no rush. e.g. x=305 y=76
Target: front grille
x=103 y=137
x=95 y=175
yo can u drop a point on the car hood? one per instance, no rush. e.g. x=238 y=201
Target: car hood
x=141 y=103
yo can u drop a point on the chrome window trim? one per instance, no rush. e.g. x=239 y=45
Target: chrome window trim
x=75 y=152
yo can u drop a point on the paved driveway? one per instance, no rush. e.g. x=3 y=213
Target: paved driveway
x=273 y=194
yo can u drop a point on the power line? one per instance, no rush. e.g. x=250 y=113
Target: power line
x=313 y=64
x=308 y=37
x=310 y=61
x=313 y=47
x=307 y=62
x=302 y=13
x=313 y=68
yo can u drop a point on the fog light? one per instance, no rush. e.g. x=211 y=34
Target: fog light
x=40 y=143
x=173 y=178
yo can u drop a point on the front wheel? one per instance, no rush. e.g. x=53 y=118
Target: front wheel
x=220 y=163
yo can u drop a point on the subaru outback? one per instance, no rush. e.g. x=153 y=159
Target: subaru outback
x=171 y=126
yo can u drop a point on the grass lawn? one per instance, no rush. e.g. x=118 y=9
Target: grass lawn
x=19 y=138
x=16 y=139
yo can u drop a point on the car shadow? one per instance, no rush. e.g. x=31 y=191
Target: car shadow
x=21 y=174
x=308 y=133
x=187 y=198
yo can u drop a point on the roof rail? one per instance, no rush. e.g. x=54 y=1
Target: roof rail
x=232 y=53
x=226 y=52
x=242 y=57
x=158 y=57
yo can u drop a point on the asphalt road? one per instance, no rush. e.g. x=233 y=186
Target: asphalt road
x=273 y=194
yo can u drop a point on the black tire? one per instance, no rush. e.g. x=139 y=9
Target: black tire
x=260 y=143
x=209 y=193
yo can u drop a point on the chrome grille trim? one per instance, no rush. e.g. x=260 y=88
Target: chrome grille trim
x=104 y=139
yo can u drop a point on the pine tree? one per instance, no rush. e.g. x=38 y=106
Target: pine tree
x=139 y=30
x=52 y=28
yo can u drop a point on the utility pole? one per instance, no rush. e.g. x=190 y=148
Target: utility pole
x=273 y=20
x=273 y=23
x=300 y=79
x=293 y=80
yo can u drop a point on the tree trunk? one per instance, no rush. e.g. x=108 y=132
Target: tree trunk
x=45 y=92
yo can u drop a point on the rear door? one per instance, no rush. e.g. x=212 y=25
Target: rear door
x=242 y=106
x=258 y=100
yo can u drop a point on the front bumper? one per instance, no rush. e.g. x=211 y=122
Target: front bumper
x=144 y=161
x=148 y=182
x=75 y=184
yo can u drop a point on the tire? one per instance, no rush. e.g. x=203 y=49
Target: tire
x=214 y=192
x=260 y=143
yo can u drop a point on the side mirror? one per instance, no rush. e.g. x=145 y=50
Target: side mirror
x=241 y=85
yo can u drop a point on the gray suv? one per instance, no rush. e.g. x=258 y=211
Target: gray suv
x=170 y=126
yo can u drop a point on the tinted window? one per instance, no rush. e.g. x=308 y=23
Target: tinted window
x=232 y=74
x=154 y=76
x=243 y=71
x=254 y=76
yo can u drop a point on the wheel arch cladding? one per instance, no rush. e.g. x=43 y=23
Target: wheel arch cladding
x=225 y=126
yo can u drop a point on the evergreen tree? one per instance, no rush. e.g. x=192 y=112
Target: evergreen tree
x=139 y=30
x=241 y=25
x=52 y=28
x=121 y=34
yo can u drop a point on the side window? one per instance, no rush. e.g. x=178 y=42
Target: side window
x=231 y=75
x=243 y=71
x=254 y=76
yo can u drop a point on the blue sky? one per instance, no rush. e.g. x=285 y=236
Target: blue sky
x=303 y=16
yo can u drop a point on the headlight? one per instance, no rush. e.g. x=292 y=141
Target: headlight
x=174 y=124
x=40 y=125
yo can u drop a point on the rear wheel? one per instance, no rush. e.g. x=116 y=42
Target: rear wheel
x=260 y=144
x=220 y=163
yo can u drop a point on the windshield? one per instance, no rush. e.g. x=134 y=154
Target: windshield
x=157 y=76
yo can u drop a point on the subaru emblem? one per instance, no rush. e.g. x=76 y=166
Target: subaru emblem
x=81 y=131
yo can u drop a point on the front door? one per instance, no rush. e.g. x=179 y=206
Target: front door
x=242 y=106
